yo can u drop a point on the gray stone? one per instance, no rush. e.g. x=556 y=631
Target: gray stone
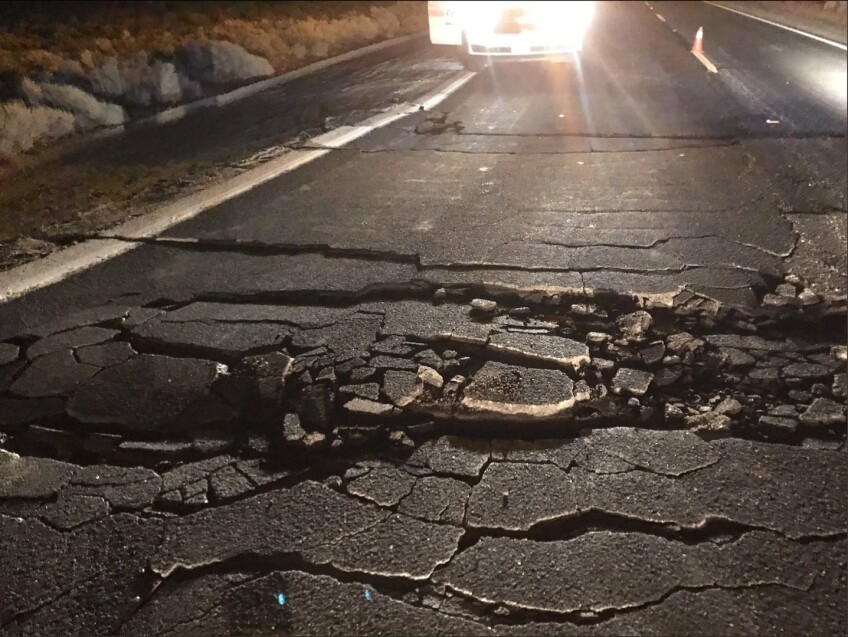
x=400 y=438
x=682 y=343
x=514 y=393
x=364 y=407
x=105 y=355
x=805 y=370
x=484 y=306
x=429 y=358
x=268 y=373
x=371 y=391
x=785 y=411
x=603 y=364
x=775 y=300
x=52 y=374
x=635 y=326
x=840 y=386
x=314 y=440
x=146 y=392
x=8 y=353
x=597 y=338
x=666 y=376
x=778 y=424
x=800 y=395
x=633 y=402
x=401 y=387
x=440 y=295
x=318 y=402
x=350 y=365
x=541 y=347
x=750 y=342
x=729 y=406
x=653 y=353
x=674 y=359
x=292 y=431
x=823 y=412
x=362 y=373
x=326 y=375
x=430 y=377
x=808 y=297
x=582 y=391
x=736 y=357
x=709 y=424
x=632 y=381
x=759 y=376
x=673 y=413
x=786 y=289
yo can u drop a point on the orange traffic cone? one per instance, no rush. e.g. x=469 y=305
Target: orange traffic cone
x=698 y=46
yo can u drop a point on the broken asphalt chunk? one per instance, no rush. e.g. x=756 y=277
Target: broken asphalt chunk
x=509 y=392
x=632 y=381
x=634 y=326
x=144 y=393
x=541 y=347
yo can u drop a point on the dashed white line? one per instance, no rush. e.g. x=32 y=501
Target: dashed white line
x=660 y=18
x=838 y=45
x=705 y=61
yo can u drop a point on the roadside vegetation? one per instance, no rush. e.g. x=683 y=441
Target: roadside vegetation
x=73 y=67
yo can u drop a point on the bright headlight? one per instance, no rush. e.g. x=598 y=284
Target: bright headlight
x=547 y=14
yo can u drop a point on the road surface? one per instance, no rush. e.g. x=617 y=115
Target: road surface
x=566 y=357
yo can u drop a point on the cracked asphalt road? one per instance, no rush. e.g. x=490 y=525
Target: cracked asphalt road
x=575 y=367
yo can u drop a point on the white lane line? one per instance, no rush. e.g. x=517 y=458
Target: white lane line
x=81 y=256
x=838 y=45
x=660 y=18
x=703 y=60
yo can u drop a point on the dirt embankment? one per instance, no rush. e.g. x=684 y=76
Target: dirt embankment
x=72 y=67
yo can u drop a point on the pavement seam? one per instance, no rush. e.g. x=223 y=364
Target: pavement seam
x=59 y=265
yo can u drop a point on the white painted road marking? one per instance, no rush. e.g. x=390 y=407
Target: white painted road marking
x=838 y=45
x=703 y=59
x=660 y=18
x=61 y=264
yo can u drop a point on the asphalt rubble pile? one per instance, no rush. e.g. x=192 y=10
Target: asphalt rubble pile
x=163 y=384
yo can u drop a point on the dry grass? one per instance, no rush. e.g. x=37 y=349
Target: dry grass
x=22 y=126
x=287 y=34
